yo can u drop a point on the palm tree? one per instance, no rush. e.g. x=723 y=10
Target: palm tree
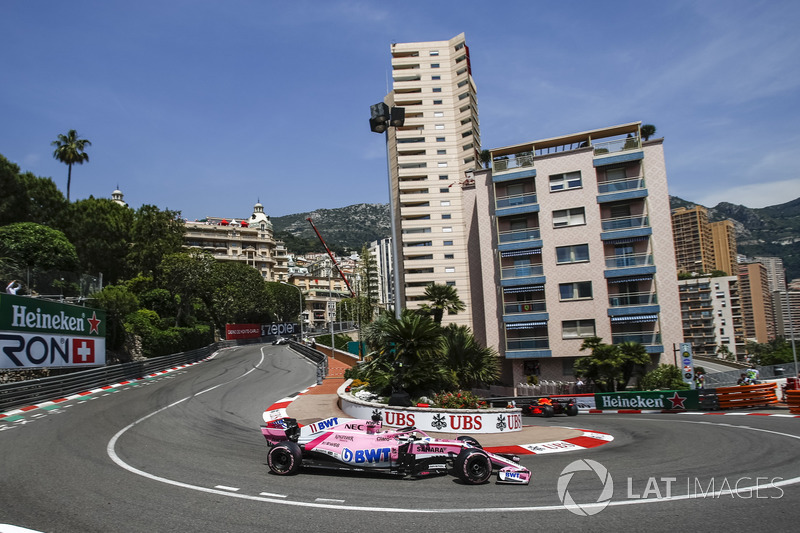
x=443 y=298
x=648 y=130
x=471 y=363
x=70 y=150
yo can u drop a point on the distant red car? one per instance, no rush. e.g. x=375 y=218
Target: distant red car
x=547 y=407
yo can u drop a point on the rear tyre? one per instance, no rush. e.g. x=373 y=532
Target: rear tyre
x=285 y=458
x=473 y=466
x=547 y=411
x=470 y=440
x=572 y=410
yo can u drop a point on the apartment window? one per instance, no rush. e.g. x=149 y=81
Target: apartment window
x=441 y=152
x=579 y=290
x=450 y=283
x=437 y=102
x=434 y=65
x=443 y=177
x=438 y=114
x=449 y=256
x=572 y=254
x=448 y=243
x=439 y=139
x=569 y=217
x=437 y=89
x=577 y=329
x=445 y=203
x=568 y=180
x=444 y=190
x=446 y=216
x=439 y=126
x=449 y=270
x=435 y=78
x=447 y=229
x=434 y=52
x=442 y=164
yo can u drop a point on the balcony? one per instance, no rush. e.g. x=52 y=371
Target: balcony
x=615 y=146
x=528 y=343
x=515 y=200
x=524 y=307
x=623 y=223
x=520 y=272
x=644 y=259
x=621 y=185
x=633 y=299
x=514 y=162
x=645 y=339
x=519 y=235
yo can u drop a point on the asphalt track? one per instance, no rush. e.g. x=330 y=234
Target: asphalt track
x=182 y=452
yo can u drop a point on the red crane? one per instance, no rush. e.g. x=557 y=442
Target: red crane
x=333 y=259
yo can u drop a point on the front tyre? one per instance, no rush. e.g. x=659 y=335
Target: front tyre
x=285 y=458
x=473 y=466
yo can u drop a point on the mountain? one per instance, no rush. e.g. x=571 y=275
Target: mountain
x=772 y=231
x=345 y=229
x=769 y=231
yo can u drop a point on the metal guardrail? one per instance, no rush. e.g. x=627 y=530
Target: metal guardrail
x=315 y=356
x=33 y=391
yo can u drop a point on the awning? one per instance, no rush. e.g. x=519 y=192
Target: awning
x=526 y=325
x=632 y=319
x=526 y=288
x=626 y=240
x=515 y=253
x=626 y=280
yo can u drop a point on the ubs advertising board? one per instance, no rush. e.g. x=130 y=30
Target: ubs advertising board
x=38 y=333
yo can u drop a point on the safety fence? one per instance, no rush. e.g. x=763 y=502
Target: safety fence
x=546 y=388
x=747 y=395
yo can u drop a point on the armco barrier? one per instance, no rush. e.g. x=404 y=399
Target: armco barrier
x=747 y=395
x=793 y=400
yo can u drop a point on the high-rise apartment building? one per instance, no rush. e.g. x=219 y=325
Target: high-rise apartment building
x=776 y=274
x=757 y=307
x=428 y=157
x=570 y=238
x=723 y=238
x=712 y=316
x=694 y=245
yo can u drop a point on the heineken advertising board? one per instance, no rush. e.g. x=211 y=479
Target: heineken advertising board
x=38 y=333
x=651 y=399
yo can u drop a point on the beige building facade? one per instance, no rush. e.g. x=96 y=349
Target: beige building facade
x=248 y=240
x=428 y=158
x=570 y=237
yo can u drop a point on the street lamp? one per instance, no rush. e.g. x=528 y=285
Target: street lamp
x=381 y=118
x=302 y=337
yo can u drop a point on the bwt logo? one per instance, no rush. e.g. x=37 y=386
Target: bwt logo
x=366 y=456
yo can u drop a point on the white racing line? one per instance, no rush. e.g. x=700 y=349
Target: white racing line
x=322 y=503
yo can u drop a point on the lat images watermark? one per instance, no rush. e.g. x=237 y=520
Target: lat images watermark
x=653 y=488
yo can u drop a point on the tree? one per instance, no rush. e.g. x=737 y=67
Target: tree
x=647 y=131
x=443 y=298
x=486 y=158
x=284 y=301
x=100 y=231
x=27 y=198
x=154 y=234
x=118 y=302
x=635 y=355
x=667 y=377
x=604 y=366
x=471 y=363
x=70 y=150
x=187 y=276
x=36 y=249
x=238 y=296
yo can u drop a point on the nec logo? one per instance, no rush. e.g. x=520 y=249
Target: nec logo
x=366 y=456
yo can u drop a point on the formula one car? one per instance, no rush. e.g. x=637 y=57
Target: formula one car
x=361 y=445
x=548 y=407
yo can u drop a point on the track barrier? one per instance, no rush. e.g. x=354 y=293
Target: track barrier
x=793 y=401
x=747 y=395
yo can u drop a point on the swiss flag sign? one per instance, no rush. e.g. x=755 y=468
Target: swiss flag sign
x=83 y=351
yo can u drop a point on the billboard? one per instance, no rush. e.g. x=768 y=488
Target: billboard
x=38 y=333
x=242 y=331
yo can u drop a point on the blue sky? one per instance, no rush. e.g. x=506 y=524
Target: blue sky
x=207 y=106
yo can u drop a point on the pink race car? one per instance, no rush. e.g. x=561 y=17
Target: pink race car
x=361 y=445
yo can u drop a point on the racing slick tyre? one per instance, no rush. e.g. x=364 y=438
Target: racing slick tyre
x=571 y=410
x=285 y=458
x=473 y=466
x=548 y=411
x=470 y=440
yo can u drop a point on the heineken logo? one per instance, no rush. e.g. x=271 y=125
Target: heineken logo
x=23 y=318
x=645 y=400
